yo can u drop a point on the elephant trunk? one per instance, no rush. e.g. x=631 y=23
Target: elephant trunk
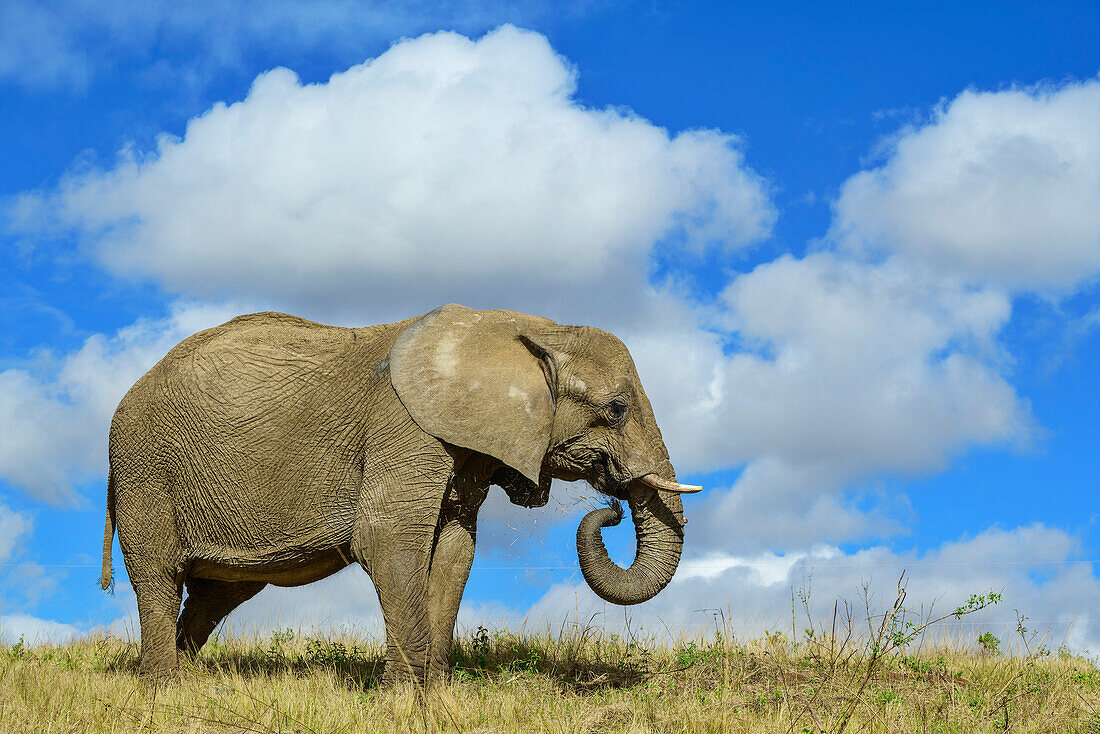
x=659 y=526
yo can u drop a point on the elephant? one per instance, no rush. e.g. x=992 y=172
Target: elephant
x=276 y=450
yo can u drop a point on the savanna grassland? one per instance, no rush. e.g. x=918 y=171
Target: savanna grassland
x=582 y=680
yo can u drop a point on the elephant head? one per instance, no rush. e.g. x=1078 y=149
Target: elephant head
x=550 y=401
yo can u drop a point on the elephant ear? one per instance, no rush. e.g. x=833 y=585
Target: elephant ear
x=477 y=379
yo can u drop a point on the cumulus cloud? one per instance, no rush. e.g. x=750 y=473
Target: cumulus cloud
x=14 y=527
x=444 y=168
x=784 y=506
x=874 y=367
x=56 y=413
x=66 y=43
x=32 y=630
x=23 y=582
x=1000 y=187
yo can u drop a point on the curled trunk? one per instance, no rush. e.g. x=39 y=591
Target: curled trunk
x=659 y=526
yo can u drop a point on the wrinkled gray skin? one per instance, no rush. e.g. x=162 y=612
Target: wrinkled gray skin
x=275 y=450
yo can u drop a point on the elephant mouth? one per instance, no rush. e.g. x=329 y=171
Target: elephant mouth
x=610 y=482
x=521 y=490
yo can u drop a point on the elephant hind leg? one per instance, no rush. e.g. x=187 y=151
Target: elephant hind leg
x=208 y=603
x=158 y=600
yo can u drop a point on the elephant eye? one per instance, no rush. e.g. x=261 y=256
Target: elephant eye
x=616 y=411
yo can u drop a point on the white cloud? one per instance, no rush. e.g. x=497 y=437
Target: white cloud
x=849 y=370
x=33 y=630
x=853 y=370
x=775 y=505
x=23 y=582
x=343 y=601
x=446 y=169
x=839 y=364
x=869 y=367
x=56 y=415
x=69 y=42
x=825 y=333
x=999 y=186
x=770 y=568
x=14 y=527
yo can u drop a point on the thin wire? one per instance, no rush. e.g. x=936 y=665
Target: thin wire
x=30 y=565
x=772 y=564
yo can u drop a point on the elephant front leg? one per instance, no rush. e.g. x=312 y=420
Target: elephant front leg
x=399 y=511
x=400 y=577
x=450 y=568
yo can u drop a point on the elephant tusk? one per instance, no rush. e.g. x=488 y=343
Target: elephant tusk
x=656 y=482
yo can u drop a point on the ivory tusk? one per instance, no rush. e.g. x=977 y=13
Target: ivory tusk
x=656 y=482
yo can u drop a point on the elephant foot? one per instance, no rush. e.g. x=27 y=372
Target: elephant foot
x=403 y=679
x=159 y=671
x=400 y=672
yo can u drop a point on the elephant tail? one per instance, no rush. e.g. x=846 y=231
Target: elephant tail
x=108 y=533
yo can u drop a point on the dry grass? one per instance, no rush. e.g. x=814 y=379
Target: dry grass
x=579 y=681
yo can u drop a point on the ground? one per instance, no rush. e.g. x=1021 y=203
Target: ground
x=574 y=680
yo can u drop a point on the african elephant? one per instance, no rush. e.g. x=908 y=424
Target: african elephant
x=276 y=450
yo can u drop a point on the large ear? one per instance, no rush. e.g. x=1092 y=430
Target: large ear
x=476 y=379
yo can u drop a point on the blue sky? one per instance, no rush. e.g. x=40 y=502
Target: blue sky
x=853 y=249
